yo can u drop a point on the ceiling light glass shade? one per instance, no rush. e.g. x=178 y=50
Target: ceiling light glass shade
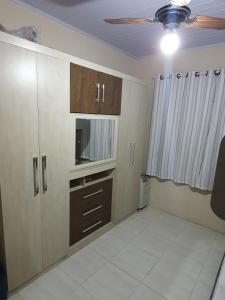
x=170 y=43
x=180 y=2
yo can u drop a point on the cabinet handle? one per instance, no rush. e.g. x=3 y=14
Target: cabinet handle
x=89 y=228
x=98 y=92
x=93 y=194
x=35 y=174
x=103 y=93
x=133 y=160
x=44 y=174
x=94 y=209
x=130 y=155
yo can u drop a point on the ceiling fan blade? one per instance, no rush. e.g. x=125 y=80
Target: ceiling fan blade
x=206 y=22
x=137 y=21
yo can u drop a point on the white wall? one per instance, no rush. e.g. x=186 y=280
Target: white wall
x=183 y=201
x=178 y=199
x=186 y=60
x=60 y=37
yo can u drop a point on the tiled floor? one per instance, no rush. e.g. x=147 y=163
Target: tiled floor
x=149 y=256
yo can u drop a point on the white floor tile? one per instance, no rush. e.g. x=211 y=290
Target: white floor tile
x=144 y=293
x=188 y=252
x=163 y=231
x=201 y=291
x=53 y=285
x=172 y=275
x=208 y=277
x=135 y=261
x=109 y=245
x=110 y=283
x=15 y=297
x=211 y=266
x=173 y=222
x=83 y=264
x=219 y=242
x=81 y=294
x=197 y=237
x=181 y=262
x=213 y=262
x=152 y=243
x=164 y=287
x=129 y=229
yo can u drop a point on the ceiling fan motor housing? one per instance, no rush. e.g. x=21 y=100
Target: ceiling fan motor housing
x=172 y=16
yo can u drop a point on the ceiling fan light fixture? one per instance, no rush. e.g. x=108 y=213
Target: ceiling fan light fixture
x=180 y=2
x=170 y=43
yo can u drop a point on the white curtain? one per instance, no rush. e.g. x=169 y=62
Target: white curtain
x=188 y=123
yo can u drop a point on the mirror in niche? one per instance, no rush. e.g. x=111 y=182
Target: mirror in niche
x=94 y=140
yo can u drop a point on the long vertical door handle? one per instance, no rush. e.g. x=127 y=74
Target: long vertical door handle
x=44 y=174
x=103 y=93
x=133 y=160
x=130 y=160
x=35 y=175
x=98 y=92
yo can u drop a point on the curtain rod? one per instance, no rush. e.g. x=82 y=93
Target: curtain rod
x=180 y=74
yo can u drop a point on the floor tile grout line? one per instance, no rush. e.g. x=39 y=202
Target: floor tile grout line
x=93 y=296
x=157 y=292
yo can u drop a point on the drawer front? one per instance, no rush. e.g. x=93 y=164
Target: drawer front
x=90 y=209
x=90 y=197
x=81 y=228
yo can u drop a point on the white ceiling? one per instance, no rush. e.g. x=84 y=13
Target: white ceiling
x=137 y=40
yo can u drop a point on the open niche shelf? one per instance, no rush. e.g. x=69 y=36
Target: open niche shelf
x=89 y=179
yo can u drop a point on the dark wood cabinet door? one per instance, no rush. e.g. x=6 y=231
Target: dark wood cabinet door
x=93 y=92
x=110 y=94
x=83 y=90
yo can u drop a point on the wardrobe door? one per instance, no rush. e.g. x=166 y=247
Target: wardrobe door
x=124 y=189
x=136 y=119
x=141 y=131
x=19 y=164
x=132 y=147
x=54 y=136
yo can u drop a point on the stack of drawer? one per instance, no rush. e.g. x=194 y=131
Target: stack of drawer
x=90 y=209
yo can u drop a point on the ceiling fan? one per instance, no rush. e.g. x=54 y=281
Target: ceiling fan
x=172 y=16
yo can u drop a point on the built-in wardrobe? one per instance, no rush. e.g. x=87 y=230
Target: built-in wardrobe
x=43 y=193
x=34 y=140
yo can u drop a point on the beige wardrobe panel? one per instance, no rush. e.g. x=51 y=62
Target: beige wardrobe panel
x=53 y=104
x=18 y=146
x=123 y=157
x=132 y=143
x=142 y=121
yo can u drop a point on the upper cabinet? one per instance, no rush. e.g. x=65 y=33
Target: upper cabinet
x=94 y=92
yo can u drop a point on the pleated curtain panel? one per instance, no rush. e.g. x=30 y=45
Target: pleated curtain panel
x=188 y=124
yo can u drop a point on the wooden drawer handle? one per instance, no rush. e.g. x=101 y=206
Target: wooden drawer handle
x=89 y=228
x=94 y=209
x=93 y=194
